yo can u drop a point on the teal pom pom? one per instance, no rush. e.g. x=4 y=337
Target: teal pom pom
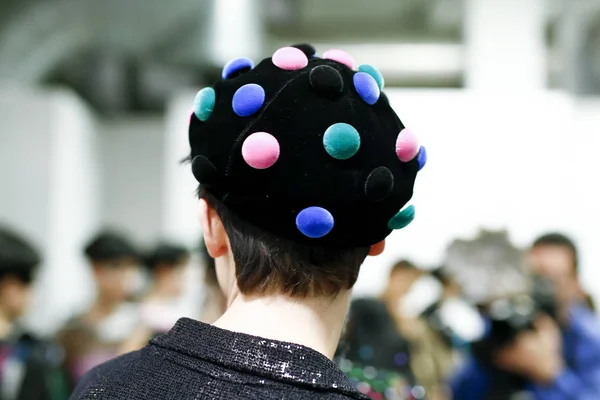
x=341 y=141
x=204 y=103
x=371 y=70
x=402 y=218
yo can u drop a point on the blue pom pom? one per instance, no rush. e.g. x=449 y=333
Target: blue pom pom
x=248 y=99
x=204 y=103
x=314 y=222
x=236 y=66
x=422 y=157
x=341 y=141
x=371 y=70
x=402 y=218
x=367 y=87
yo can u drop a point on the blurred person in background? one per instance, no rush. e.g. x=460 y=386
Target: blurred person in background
x=558 y=356
x=453 y=317
x=30 y=368
x=213 y=305
x=288 y=230
x=374 y=355
x=112 y=325
x=408 y=294
x=161 y=307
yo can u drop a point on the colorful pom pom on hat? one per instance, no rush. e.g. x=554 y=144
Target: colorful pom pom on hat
x=306 y=148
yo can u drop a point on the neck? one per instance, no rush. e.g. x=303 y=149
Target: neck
x=158 y=293
x=312 y=322
x=104 y=307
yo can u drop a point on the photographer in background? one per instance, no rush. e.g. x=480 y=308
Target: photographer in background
x=555 y=358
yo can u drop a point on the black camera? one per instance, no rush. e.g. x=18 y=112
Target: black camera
x=508 y=317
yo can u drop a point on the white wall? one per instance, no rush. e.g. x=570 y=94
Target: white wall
x=49 y=175
x=180 y=220
x=132 y=175
x=524 y=161
x=24 y=161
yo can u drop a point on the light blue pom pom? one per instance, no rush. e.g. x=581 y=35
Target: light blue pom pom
x=204 y=103
x=402 y=218
x=341 y=141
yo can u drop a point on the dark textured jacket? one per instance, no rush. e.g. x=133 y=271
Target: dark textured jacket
x=198 y=361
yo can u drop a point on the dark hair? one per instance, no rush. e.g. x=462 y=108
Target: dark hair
x=18 y=258
x=110 y=246
x=442 y=276
x=266 y=263
x=166 y=254
x=210 y=272
x=403 y=265
x=558 y=239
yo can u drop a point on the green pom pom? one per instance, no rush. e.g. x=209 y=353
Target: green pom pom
x=402 y=218
x=371 y=70
x=204 y=103
x=341 y=141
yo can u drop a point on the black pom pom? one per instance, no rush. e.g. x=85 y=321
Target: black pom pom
x=306 y=48
x=379 y=184
x=204 y=171
x=326 y=81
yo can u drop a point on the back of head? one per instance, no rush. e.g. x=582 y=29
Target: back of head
x=309 y=169
x=108 y=247
x=18 y=258
x=166 y=255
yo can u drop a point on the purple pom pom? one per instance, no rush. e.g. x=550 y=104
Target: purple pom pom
x=236 y=66
x=314 y=222
x=367 y=87
x=422 y=158
x=248 y=99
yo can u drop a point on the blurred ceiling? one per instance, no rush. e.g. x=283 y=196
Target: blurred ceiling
x=130 y=55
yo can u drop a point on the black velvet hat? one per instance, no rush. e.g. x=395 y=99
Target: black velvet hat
x=306 y=148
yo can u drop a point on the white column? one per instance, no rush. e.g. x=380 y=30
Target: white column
x=180 y=221
x=234 y=29
x=505 y=44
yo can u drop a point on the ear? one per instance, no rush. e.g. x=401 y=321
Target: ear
x=377 y=248
x=215 y=237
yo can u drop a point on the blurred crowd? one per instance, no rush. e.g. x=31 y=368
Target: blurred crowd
x=424 y=337
x=138 y=296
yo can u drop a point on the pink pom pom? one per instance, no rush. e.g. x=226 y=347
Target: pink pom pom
x=290 y=58
x=340 y=56
x=260 y=150
x=407 y=145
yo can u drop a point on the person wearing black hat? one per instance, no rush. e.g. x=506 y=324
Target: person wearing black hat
x=101 y=331
x=304 y=170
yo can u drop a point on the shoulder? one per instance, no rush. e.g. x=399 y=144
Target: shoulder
x=584 y=321
x=103 y=374
x=470 y=381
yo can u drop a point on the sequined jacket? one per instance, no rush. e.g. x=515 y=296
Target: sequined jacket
x=197 y=361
